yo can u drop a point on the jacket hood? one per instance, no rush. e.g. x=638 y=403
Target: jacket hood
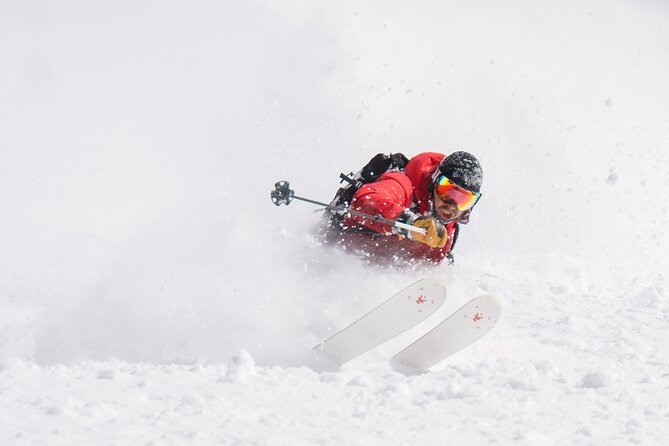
x=419 y=170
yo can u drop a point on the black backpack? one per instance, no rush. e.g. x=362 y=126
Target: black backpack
x=372 y=171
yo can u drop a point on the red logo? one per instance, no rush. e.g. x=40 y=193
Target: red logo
x=477 y=317
x=420 y=299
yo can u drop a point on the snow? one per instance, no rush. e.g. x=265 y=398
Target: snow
x=151 y=293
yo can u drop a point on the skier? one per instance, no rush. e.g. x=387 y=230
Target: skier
x=434 y=192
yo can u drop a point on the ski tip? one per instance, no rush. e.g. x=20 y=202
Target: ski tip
x=489 y=300
x=431 y=282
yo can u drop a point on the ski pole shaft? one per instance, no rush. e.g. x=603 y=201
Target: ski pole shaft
x=284 y=195
x=378 y=218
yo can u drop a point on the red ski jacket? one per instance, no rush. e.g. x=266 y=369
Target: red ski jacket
x=391 y=194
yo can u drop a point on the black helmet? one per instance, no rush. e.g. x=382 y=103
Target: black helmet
x=463 y=169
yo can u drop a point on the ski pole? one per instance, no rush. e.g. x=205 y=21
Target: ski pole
x=283 y=194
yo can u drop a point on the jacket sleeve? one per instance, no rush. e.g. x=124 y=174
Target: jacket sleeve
x=388 y=197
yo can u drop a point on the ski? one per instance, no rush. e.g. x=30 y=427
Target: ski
x=399 y=313
x=456 y=332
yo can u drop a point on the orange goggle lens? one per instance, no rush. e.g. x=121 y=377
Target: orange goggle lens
x=449 y=191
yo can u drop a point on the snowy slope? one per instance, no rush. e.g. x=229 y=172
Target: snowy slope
x=152 y=294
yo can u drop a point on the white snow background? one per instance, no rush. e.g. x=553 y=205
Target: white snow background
x=151 y=293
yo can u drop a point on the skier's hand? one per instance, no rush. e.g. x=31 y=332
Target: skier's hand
x=436 y=235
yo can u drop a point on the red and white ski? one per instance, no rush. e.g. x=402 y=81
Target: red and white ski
x=462 y=328
x=402 y=311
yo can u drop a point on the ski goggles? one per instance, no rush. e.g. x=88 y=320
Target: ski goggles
x=449 y=191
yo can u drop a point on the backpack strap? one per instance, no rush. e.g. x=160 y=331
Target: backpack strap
x=455 y=236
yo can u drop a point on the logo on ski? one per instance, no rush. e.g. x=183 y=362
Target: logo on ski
x=477 y=317
x=420 y=299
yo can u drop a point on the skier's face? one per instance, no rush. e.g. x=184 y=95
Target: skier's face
x=446 y=210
